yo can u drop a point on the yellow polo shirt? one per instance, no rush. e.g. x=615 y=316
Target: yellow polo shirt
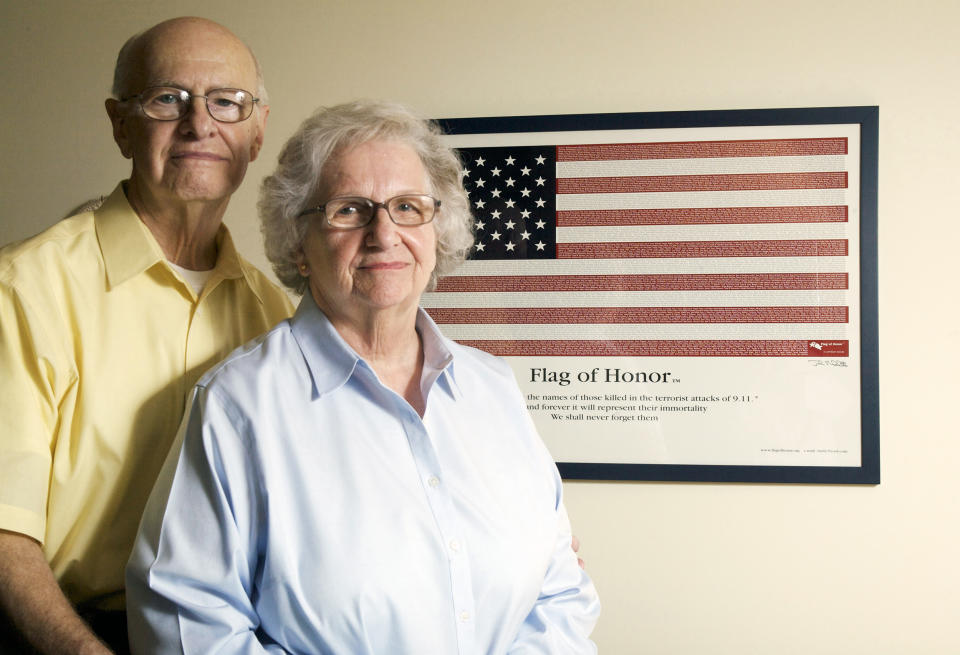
x=100 y=342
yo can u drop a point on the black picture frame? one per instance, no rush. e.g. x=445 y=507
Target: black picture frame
x=867 y=118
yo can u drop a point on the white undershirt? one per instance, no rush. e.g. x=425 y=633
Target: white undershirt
x=196 y=279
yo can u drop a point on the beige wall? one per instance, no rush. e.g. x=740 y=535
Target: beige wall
x=682 y=568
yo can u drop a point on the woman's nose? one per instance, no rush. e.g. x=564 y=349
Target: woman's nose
x=381 y=230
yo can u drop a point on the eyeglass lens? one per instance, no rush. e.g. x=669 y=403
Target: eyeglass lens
x=357 y=212
x=170 y=103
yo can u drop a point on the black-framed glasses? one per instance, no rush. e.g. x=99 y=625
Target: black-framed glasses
x=170 y=103
x=350 y=212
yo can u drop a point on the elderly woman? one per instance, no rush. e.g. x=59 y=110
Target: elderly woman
x=352 y=481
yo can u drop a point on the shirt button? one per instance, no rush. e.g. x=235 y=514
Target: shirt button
x=454 y=545
x=434 y=481
x=464 y=616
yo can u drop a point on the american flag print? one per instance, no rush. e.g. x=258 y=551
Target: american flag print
x=715 y=246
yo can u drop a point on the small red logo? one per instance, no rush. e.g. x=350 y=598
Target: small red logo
x=828 y=348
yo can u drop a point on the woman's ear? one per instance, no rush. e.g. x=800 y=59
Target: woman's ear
x=301 y=262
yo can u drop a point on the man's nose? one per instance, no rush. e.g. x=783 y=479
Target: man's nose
x=197 y=119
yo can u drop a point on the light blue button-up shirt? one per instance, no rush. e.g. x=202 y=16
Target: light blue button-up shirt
x=312 y=510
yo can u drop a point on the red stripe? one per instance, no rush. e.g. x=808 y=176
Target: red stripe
x=677 y=183
x=635 y=315
x=674 y=348
x=703 y=149
x=705 y=216
x=660 y=249
x=677 y=282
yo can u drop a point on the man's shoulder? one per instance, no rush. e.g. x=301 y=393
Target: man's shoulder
x=258 y=278
x=66 y=242
x=247 y=364
x=269 y=292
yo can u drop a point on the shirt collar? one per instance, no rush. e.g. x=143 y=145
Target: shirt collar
x=126 y=244
x=332 y=361
x=128 y=247
x=438 y=361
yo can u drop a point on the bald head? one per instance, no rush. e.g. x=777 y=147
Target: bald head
x=136 y=54
x=194 y=159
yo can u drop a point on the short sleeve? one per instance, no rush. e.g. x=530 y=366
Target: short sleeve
x=35 y=390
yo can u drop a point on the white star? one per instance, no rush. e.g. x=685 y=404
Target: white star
x=480 y=204
x=495 y=171
x=465 y=173
x=525 y=235
x=510 y=161
x=479 y=225
x=541 y=202
x=540 y=181
x=510 y=204
x=510 y=181
x=525 y=171
x=479 y=247
x=496 y=214
x=540 y=160
x=495 y=236
x=481 y=161
x=509 y=225
x=481 y=182
x=540 y=245
x=510 y=247
x=525 y=213
x=541 y=224
x=495 y=193
x=525 y=193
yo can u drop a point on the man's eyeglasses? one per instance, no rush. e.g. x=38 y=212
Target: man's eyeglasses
x=168 y=103
x=351 y=211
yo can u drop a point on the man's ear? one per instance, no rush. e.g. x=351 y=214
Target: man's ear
x=261 y=118
x=118 y=120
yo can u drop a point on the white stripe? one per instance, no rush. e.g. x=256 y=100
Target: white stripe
x=633 y=332
x=666 y=266
x=657 y=135
x=738 y=232
x=706 y=166
x=736 y=298
x=701 y=199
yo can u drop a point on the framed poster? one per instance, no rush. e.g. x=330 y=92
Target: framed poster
x=684 y=296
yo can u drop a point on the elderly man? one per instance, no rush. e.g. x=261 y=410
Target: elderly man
x=106 y=321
